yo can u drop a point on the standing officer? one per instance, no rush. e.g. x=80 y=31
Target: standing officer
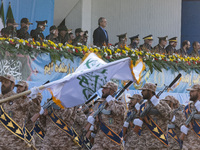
x=37 y=34
x=110 y=121
x=10 y=29
x=171 y=48
x=155 y=122
x=53 y=36
x=134 y=42
x=147 y=46
x=122 y=41
x=160 y=48
x=22 y=33
x=63 y=34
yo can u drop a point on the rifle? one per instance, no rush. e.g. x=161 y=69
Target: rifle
x=87 y=127
x=149 y=105
x=188 y=122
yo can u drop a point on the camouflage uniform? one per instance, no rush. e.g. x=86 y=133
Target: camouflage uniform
x=191 y=140
x=159 y=49
x=194 y=53
x=23 y=34
x=170 y=50
x=18 y=110
x=55 y=138
x=161 y=119
x=114 y=121
x=178 y=120
x=145 y=47
x=132 y=139
x=182 y=52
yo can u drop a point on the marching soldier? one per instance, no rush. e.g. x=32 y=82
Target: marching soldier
x=148 y=40
x=155 y=122
x=37 y=34
x=160 y=48
x=171 y=48
x=110 y=121
x=22 y=33
x=175 y=124
x=14 y=117
x=131 y=139
x=122 y=41
x=191 y=131
x=60 y=125
x=134 y=42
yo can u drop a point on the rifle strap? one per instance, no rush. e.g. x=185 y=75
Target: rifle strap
x=154 y=128
x=38 y=130
x=195 y=124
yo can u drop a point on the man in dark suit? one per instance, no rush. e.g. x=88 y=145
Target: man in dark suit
x=100 y=35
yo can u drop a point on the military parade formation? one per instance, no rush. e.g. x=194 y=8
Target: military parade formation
x=149 y=123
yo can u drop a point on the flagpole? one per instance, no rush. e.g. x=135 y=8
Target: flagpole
x=19 y=95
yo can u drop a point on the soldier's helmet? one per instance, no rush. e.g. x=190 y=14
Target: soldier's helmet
x=137 y=97
x=113 y=86
x=8 y=77
x=149 y=86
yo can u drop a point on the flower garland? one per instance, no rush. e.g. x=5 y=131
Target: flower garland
x=156 y=61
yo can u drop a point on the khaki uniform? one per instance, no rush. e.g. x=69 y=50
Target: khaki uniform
x=145 y=47
x=191 y=140
x=55 y=138
x=114 y=121
x=151 y=142
x=18 y=110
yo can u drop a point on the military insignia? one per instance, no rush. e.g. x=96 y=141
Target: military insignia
x=10 y=113
x=111 y=120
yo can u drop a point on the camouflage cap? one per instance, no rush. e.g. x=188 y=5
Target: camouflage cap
x=194 y=87
x=172 y=99
x=136 y=96
x=26 y=21
x=8 y=77
x=149 y=86
x=22 y=83
x=111 y=85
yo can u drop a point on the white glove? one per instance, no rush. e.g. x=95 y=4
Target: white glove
x=137 y=106
x=138 y=122
x=41 y=111
x=109 y=98
x=197 y=105
x=93 y=135
x=91 y=120
x=34 y=92
x=92 y=128
x=126 y=124
x=184 y=129
x=154 y=100
x=174 y=118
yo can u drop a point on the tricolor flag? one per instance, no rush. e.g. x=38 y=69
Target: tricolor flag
x=2 y=21
x=90 y=76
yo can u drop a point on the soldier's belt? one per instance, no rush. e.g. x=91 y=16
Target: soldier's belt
x=65 y=128
x=13 y=127
x=110 y=133
x=154 y=128
x=195 y=124
x=38 y=130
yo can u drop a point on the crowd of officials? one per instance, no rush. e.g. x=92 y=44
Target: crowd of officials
x=62 y=34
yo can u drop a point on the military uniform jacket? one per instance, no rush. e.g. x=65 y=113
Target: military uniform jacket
x=18 y=110
x=161 y=119
x=51 y=38
x=170 y=50
x=133 y=45
x=114 y=121
x=182 y=52
x=159 y=49
x=23 y=34
x=191 y=140
x=37 y=34
x=9 y=31
x=145 y=47
x=194 y=53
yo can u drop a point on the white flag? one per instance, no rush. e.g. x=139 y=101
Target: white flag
x=90 y=76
